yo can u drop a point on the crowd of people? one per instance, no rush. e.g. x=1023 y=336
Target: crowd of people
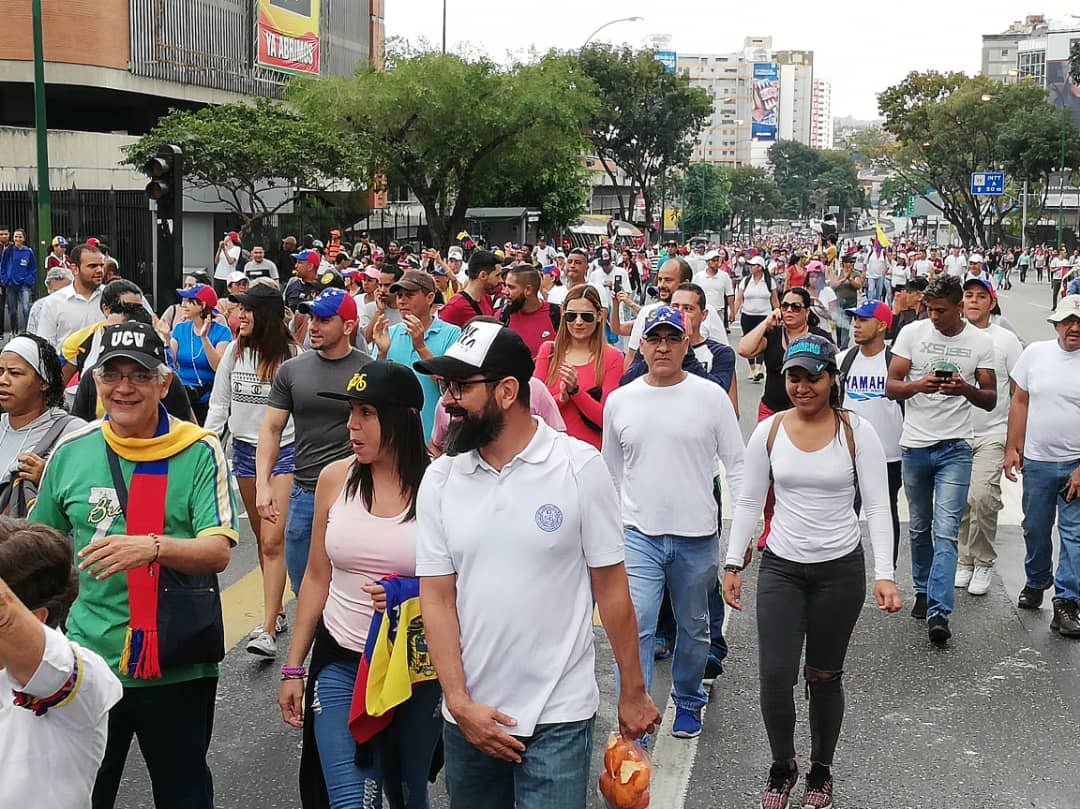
x=415 y=438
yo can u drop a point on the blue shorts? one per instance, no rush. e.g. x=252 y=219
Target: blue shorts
x=243 y=460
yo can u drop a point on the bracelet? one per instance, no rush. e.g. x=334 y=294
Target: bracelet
x=293 y=672
x=285 y=677
x=574 y=391
x=157 y=549
x=733 y=569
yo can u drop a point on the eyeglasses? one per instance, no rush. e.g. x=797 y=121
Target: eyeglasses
x=140 y=376
x=792 y=307
x=586 y=317
x=666 y=339
x=456 y=387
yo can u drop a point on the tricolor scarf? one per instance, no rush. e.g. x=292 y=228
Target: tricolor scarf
x=145 y=514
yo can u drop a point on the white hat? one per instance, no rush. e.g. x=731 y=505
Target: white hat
x=236 y=276
x=1067 y=307
x=712 y=254
x=758 y=260
x=975 y=258
x=454 y=252
x=902 y=255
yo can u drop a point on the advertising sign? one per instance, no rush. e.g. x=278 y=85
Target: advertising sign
x=766 y=100
x=1064 y=92
x=669 y=59
x=289 y=35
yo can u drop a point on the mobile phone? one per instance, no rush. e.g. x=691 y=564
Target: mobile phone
x=618 y=285
x=943 y=373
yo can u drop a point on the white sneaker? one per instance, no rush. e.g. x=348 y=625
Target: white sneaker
x=263 y=645
x=963 y=575
x=281 y=623
x=980 y=581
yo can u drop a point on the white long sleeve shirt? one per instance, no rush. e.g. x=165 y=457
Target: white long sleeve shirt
x=814 y=520
x=661 y=445
x=239 y=398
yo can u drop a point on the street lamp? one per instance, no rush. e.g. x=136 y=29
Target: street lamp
x=605 y=25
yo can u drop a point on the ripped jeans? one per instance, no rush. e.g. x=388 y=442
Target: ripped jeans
x=400 y=755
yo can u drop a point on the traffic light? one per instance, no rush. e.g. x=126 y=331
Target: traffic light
x=166 y=194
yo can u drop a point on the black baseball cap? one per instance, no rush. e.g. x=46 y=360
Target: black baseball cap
x=812 y=353
x=134 y=341
x=380 y=381
x=262 y=297
x=483 y=347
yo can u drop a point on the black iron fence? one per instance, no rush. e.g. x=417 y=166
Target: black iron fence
x=121 y=219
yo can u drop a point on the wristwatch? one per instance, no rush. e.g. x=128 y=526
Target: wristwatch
x=733 y=568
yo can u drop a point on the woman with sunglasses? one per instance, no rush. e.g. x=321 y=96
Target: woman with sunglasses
x=579 y=367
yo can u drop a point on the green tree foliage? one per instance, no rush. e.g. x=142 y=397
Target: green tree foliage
x=647 y=120
x=452 y=130
x=947 y=126
x=754 y=195
x=560 y=191
x=705 y=190
x=810 y=179
x=255 y=157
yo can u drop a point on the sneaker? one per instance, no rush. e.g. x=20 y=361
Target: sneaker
x=687 y=723
x=938 y=629
x=281 y=623
x=661 y=649
x=782 y=779
x=963 y=575
x=817 y=792
x=1030 y=599
x=713 y=669
x=918 y=609
x=1066 y=621
x=263 y=645
x=980 y=581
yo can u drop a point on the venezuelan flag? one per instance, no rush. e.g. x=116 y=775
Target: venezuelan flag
x=881 y=241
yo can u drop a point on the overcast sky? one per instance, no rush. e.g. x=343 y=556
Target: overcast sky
x=862 y=47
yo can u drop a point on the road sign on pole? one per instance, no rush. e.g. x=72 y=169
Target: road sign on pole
x=987 y=183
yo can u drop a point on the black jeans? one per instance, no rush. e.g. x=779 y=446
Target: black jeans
x=173 y=724
x=896 y=480
x=821 y=603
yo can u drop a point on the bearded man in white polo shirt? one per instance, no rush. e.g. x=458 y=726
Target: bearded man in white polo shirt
x=518 y=532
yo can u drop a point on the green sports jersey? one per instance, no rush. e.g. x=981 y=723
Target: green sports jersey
x=77 y=498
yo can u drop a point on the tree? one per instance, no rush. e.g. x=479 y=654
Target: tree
x=257 y=158
x=754 y=195
x=559 y=190
x=648 y=119
x=810 y=179
x=948 y=125
x=705 y=190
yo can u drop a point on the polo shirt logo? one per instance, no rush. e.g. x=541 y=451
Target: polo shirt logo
x=549 y=517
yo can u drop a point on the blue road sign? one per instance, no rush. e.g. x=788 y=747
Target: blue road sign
x=987 y=183
x=669 y=59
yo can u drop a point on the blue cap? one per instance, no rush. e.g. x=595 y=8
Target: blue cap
x=330 y=302
x=664 y=316
x=308 y=255
x=811 y=353
x=548 y=269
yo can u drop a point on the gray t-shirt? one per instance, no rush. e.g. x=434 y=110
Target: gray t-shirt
x=321 y=433
x=261 y=269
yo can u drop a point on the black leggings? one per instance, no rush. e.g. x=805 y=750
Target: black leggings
x=820 y=602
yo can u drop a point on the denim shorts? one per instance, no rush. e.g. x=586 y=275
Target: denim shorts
x=243 y=460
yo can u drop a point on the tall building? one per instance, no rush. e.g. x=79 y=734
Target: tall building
x=821 y=121
x=759 y=96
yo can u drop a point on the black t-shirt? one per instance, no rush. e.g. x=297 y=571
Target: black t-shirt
x=775 y=395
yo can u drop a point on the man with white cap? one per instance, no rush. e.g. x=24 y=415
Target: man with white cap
x=975 y=268
x=717 y=286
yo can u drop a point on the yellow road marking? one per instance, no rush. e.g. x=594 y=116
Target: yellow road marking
x=242 y=606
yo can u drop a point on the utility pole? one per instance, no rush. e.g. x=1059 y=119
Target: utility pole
x=1061 y=190
x=1023 y=216
x=444 y=27
x=41 y=127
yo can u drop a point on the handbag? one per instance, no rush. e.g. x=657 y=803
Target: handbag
x=190 y=626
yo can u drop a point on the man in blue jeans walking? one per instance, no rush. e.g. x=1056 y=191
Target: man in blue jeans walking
x=663 y=434
x=18 y=271
x=941 y=367
x=1043 y=410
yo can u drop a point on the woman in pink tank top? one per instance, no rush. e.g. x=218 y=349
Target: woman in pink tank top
x=364 y=529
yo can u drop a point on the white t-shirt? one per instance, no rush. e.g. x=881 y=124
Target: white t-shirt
x=814 y=520
x=367 y=314
x=521 y=542
x=823 y=305
x=223 y=269
x=1060 y=266
x=955 y=265
x=1007 y=350
x=864 y=393
x=557 y=295
x=933 y=417
x=1051 y=376
x=661 y=445
x=923 y=267
x=717 y=288
x=898 y=273
x=712 y=328
x=52 y=760
x=756 y=297
x=697 y=262
x=876 y=266
x=604 y=283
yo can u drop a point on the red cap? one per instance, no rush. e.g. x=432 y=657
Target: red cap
x=92 y=242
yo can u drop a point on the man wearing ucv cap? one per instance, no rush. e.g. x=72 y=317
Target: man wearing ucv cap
x=513 y=499
x=663 y=434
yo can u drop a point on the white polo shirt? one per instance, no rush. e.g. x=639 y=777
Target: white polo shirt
x=65 y=312
x=52 y=760
x=521 y=542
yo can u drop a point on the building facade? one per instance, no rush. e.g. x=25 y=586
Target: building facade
x=821 y=120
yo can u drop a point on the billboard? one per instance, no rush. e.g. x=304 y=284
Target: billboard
x=669 y=59
x=1063 y=91
x=289 y=35
x=766 y=98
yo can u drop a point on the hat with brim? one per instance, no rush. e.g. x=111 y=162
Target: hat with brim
x=328 y=303
x=200 y=292
x=982 y=281
x=1067 y=307
x=483 y=347
x=133 y=341
x=664 y=316
x=380 y=381
x=811 y=353
x=261 y=297
x=413 y=281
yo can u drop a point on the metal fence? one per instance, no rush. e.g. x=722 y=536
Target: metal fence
x=121 y=219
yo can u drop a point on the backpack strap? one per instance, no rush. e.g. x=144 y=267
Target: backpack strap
x=774 y=428
x=845 y=369
x=843 y=419
x=42 y=448
x=555 y=313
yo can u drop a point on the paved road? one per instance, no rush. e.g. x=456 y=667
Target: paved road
x=990 y=721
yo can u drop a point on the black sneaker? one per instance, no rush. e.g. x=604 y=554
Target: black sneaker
x=713 y=669
x=938 y=629
x=1066 y=621
x=918 y=610
x=782 y=779
x=817 y=792
x=1030 y=599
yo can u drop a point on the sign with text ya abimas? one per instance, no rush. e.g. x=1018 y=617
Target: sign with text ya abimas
x=289 y=35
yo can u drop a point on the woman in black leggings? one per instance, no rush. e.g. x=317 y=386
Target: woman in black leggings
x=812 y=582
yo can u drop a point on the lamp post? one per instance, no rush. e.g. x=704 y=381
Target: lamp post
x=1061 y=186
x=41 y=127
x=589 y=38
x=444 y=27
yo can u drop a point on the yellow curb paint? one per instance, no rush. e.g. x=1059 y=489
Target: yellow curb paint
x=242 y=606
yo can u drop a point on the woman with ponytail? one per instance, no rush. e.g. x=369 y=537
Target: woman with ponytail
x=812 y=582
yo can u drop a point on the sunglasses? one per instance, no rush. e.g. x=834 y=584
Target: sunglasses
x=586 y=317
x=792 y=307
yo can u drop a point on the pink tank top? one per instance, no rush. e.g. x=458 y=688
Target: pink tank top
x=362 y=548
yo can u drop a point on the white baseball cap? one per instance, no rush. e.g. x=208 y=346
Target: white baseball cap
x=975 y=258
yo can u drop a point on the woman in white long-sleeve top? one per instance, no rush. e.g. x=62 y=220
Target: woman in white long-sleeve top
x=812 y=581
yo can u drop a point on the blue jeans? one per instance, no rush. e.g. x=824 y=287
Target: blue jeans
x=936 y=480
x=298 y=533
x=400 y=755
x=687 y=565
x=18 y=305
x=553 y=773
x=1043 y=482
x=875 y=289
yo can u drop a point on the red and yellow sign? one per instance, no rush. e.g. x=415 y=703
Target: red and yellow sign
x=289 y=35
